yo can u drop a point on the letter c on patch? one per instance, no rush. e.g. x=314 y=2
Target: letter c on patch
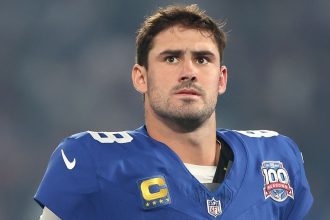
x=157 y=181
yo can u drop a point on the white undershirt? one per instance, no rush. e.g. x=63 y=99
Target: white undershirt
x=48 y=215
x=204 y=174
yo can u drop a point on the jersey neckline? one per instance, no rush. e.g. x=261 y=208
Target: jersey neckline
x=236 y=175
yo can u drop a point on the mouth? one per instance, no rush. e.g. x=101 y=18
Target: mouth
x=188 y=92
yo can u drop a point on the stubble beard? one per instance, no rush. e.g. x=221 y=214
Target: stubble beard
x=185 y=116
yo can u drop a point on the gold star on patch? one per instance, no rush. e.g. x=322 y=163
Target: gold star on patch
x=167 y=199
x=147 y=204
x=154 y=202
x=160 y=201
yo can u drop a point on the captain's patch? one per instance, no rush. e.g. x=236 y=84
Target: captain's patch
x=154 y=192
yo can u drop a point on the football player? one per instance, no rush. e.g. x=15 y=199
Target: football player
x=178 y=165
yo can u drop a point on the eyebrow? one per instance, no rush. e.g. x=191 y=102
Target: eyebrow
x=181 y=52
x=171 y=53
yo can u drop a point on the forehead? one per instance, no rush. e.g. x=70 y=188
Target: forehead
x=183 y=38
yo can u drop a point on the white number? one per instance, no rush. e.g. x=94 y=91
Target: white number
x=259 y=133
x=111 y=137
x=272 y=176
x=283 y=176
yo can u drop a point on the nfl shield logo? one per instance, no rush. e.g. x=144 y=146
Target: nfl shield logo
x=214 y=207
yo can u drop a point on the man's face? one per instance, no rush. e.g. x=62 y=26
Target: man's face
x=184 y=75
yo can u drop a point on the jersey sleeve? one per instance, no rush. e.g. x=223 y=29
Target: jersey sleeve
x=303 y=196
x=70 y=179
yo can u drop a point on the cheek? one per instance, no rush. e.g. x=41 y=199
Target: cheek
x=211 y=83
x=155 y=85
x=161 y=79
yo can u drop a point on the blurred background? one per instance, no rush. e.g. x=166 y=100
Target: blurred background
x=65 y=67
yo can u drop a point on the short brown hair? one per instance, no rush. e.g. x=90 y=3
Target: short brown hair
x=188 y=16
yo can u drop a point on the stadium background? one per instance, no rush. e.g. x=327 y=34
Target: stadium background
x=65 y=67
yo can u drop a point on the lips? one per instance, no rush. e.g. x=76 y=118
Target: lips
x=188 y=92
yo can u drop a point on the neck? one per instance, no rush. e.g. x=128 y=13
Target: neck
x=195 y=146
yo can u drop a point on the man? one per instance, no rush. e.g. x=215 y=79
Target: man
x=177 y=166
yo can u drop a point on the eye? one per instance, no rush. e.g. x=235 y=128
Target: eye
x=202 y=60
x=171 y=59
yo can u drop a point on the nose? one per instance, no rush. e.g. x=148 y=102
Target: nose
x=188 y=72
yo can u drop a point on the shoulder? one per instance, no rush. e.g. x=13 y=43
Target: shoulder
x=251 y=134
x=263 y=136
x=95 y=144
x=91 y=139
x=265 y=144
x=86 y=147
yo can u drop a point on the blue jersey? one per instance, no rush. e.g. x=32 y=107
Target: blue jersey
x=130 y=176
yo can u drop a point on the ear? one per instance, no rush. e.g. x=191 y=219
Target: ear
x=223 y=79
x=139 y=78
